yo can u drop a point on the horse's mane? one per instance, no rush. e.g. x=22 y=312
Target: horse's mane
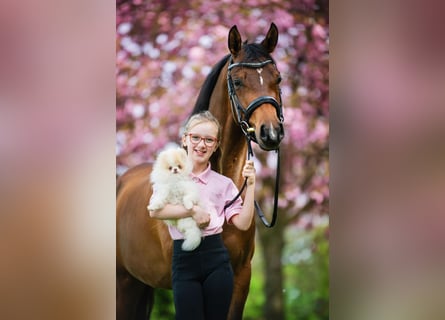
x=203 y=101
x=253 y=51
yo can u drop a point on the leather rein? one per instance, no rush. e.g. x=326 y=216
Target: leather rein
x=242 y=116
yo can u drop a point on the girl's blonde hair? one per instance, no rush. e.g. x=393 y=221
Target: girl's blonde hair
x=204 y=116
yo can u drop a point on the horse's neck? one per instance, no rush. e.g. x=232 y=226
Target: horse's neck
x=234 y=154
x=233 y=143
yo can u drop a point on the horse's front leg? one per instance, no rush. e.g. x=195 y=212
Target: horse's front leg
x=240 y=291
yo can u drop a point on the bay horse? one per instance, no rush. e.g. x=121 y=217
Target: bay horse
x=242 y=92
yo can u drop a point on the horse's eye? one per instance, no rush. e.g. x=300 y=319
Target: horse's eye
x=278 y=79
x=237 y=82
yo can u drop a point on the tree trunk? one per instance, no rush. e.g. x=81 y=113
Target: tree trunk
x=272 y=243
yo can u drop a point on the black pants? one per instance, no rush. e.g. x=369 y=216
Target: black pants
x=202 y=280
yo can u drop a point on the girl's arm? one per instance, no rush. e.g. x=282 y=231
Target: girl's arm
x=243 y=220
x=173 y=211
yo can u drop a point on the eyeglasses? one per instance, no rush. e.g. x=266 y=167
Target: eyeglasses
x=208 y=141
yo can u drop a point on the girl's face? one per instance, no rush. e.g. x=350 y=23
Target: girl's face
x=201 y=142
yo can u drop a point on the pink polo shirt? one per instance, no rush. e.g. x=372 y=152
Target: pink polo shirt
x=215 y=191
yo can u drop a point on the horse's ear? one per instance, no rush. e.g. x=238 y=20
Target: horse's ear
x=234 y=41
x=270 y=42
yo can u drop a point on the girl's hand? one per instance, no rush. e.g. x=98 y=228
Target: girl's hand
x=201 y=217
x=249 y=172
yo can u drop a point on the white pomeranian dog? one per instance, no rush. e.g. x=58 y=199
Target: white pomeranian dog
x=172 y=184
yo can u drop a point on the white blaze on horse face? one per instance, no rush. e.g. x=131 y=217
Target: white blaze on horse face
x=259 y=73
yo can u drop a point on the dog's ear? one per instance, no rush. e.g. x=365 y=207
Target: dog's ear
x=183 y=153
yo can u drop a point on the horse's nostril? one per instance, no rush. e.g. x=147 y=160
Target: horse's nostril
x=263 y=132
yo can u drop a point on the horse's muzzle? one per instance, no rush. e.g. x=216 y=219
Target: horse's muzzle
x=271 y=136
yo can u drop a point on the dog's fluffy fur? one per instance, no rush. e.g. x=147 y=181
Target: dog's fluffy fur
x=171 y=180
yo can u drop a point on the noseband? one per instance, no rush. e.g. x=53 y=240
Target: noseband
x=242 y=115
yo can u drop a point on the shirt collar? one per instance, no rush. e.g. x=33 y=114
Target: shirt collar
x=203 y=176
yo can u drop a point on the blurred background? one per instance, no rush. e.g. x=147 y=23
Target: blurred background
x=165 y=49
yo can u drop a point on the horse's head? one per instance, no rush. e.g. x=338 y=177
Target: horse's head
x=253 y=81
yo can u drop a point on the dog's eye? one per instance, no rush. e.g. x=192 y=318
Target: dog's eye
x=169 y=168
x=179 y=166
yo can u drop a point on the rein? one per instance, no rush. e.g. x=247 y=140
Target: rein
x=242 y=118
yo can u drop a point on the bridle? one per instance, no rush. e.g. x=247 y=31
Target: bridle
x=242 y=117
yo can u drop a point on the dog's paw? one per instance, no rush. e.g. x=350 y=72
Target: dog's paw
x=188 y=204
x=153 y=207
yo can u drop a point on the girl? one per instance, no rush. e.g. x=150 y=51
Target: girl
x=203 y=278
